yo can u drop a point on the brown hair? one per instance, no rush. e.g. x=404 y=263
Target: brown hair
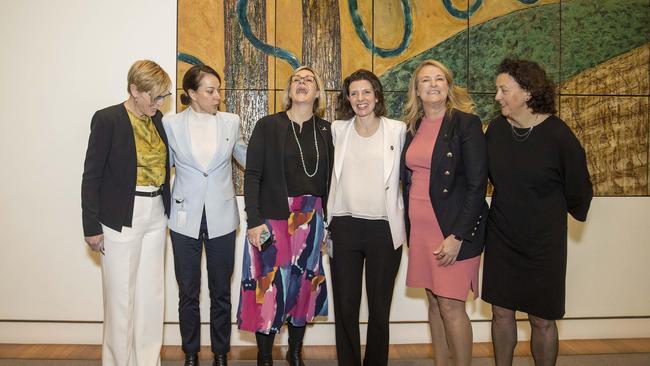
x=532 y=78
x=344 y=109
x=192 y=80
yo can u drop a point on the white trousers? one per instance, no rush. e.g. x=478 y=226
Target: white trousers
x=133 y=280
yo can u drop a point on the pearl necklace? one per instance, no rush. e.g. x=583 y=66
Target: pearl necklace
x=302 y=158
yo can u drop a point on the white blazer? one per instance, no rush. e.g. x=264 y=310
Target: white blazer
x=196 y=187
x=394 y=136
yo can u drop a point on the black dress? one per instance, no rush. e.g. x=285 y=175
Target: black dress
x=537 y=180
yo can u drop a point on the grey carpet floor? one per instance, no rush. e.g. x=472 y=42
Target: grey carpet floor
x=639 y=359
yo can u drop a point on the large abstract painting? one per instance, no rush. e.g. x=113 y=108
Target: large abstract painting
x=597 y=51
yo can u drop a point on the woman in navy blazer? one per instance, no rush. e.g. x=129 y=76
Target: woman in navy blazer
x=444 y=172
x=202 y=143
x=366 y=215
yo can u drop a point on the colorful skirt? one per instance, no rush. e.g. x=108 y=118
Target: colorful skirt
x=286 y=282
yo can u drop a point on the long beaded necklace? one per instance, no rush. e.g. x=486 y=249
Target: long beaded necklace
x=302 y=158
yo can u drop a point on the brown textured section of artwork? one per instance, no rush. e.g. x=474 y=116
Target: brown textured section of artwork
x=613 y=129
x=624 y=74
x=321 y=41
x=614 y=133
x=245 y=68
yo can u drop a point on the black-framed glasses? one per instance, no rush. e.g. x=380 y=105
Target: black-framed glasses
x=307 y=79
x=160 y=98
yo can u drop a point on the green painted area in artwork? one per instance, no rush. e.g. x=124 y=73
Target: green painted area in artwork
x=592 y=32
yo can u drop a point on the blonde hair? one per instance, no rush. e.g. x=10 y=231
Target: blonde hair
x=320 y=104
x=457 y=96
x=148 y=77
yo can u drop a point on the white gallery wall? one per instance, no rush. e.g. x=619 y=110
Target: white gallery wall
x=62 y=60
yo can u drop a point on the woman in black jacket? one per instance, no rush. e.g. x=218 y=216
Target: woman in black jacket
x=444 y=172
x=288 y=168
x=124 y=201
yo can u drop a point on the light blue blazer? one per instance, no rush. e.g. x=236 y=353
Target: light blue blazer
x=195 y=187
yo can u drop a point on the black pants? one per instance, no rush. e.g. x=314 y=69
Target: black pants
x=220 y=255
x=357 y=241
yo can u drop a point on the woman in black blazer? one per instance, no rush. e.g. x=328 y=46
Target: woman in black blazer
x=288 y=168
x=124 y=200
x=444 y=172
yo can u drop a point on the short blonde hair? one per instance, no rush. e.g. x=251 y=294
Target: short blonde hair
x=457 y=96
x=148 y=77
x=320 y=104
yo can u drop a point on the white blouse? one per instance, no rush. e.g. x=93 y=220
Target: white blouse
x=361 y=190
x=203 y=136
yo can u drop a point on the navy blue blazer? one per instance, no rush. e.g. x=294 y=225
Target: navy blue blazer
x=458 y=181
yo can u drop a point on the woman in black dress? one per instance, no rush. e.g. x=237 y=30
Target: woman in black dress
x=539 y=172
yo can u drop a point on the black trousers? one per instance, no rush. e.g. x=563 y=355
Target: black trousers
x=358 y=241
x=220 y=255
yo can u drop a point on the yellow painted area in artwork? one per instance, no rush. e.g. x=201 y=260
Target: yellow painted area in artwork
x=200 y=34
x=354 y=55
x=289 y=37
x=432 y=24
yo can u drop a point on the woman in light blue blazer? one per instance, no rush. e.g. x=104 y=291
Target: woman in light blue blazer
x=202 y=143
x=365 y=212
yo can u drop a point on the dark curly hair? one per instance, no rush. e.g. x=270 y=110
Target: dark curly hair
x=344 y=108
x=532 y=78
x=192 y=80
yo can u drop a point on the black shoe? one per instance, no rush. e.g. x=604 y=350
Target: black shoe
x=264 y=361
x=264 y=349
x=220 y=360
x=294 y=357
x=294 y=354
x=191 y=359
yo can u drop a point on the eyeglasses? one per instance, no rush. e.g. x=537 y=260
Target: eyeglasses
x=160 y=98
x=308 y=79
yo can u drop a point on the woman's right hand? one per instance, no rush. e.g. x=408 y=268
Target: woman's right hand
x=254 y=235
x=95 y=242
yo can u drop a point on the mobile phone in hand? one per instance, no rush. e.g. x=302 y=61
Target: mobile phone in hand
x=266 y=239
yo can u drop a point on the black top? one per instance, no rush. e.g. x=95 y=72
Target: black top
x=458 y=180
x=265 y=186
x=110 y=171
x=536 y=182
x=298 y=183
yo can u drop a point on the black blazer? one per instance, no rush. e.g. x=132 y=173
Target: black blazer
x=458 y=181
x=265 y=186
x=109 y=177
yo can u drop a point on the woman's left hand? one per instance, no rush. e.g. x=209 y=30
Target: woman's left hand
x=448 y=251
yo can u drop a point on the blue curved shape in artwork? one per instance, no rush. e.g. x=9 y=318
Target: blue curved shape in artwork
x=528 y=2
x=367 y=42
x=242 y=5
x=462 y=14
x=188 y=59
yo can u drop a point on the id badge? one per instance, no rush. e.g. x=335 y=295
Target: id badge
x=182 y=218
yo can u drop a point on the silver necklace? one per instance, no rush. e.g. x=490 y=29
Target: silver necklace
x=302 y=158
x=520 y=137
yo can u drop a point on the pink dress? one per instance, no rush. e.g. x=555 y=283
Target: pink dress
x=453 y=281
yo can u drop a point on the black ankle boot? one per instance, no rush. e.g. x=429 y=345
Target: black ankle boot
x=294 y=354
x=220 y=360
x=191 y=359
x=264 y=349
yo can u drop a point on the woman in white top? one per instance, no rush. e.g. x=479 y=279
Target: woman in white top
x=202 y=142
x=365 y=215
